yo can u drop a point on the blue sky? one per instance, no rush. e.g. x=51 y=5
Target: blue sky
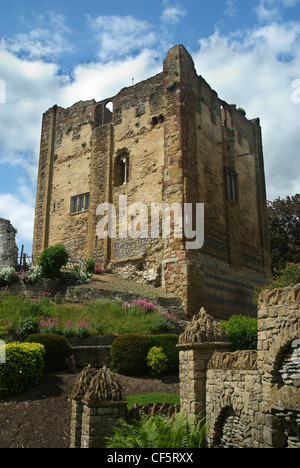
x=62 y=52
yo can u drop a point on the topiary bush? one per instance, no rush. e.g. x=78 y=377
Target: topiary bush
x=57 y=350
x=168 y=344
x=129 y=354
x=242 y=332
x=157 y=361
x=23 y=367
x=52 y=259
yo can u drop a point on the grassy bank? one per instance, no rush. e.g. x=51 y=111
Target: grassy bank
x=99 y=317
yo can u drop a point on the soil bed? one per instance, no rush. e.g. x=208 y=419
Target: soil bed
x=40 y=417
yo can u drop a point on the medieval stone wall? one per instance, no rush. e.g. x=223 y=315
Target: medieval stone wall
x=8 y=247
x=251 y=398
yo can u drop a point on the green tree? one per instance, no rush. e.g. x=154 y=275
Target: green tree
x=284 y=224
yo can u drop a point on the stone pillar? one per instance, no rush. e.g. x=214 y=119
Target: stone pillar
x=8 y=247
x=201 y=338
x=77 y=395
x=97 y=406
x=98 y=420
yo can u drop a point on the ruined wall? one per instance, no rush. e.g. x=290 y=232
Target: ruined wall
x=8 y=247
x=252 y=398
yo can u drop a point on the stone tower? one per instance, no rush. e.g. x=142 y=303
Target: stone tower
x=167 y=140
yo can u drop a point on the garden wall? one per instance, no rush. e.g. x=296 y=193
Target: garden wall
x=251 y=398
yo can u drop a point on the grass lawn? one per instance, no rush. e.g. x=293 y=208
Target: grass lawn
x=150 y=398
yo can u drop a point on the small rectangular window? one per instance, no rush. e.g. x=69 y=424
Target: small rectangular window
x=231 y=185
x=80 y=203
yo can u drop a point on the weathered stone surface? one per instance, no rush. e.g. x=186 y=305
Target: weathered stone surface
x=203 y=329
x=8 y=247
x=104 y=387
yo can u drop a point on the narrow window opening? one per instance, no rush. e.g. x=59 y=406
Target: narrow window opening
x=231 y=186
x=122 y=168
x=124 y=171
x=108 y=112
x=226 y=120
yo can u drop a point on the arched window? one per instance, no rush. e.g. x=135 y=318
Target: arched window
x=108 y=112
x=122 y=167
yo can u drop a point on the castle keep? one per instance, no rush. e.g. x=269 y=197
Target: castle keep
x=169 y=139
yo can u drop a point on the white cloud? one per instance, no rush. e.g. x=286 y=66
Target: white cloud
x=119 y=36
x=248 y=70
x=20 y=214
x=172 y=14
x=99 y=81
x=31 y=88
x=230 y=9
x=47 y=41
x=271 y=10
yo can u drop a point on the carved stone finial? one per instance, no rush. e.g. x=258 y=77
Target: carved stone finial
x=104 y=387
x=83 y=382
x=203 y=329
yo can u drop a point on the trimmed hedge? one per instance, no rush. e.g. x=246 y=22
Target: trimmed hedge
x=129 y=353
x=57 y=350
x=23 y=368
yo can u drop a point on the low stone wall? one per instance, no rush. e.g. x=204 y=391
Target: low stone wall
x=96 y=356
x=251 y=399
x=232 y=393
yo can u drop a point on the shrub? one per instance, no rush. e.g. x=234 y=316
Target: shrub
x=89 y=265
x=129 y=354
x=57 y=350
x=242 y=332
x=52 y=259
x=158 y=432
x=82 y=276
x=27 y=327
x=156 y=360
x=23 y=367
x=7 y=276
x=168 y=344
